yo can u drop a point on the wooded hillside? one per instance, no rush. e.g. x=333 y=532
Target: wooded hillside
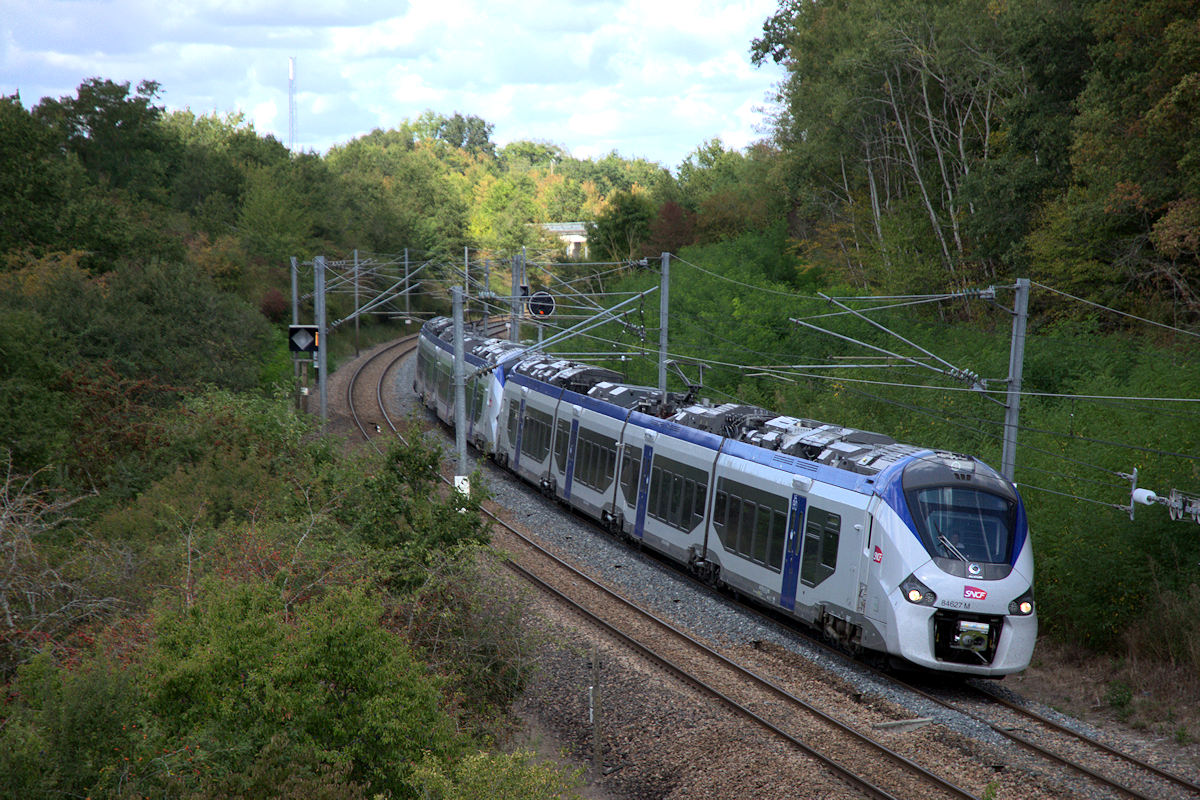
x=177 y=538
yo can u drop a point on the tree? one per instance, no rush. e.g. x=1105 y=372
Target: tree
x=116 y=134
x=274 y=221
x=524 y=155
x=889 y=107
x=504 y=212
x=622 y=226
x=672 y=228
x=469 y=133
x=1124 y=228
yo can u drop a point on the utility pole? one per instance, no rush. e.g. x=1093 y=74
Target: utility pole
x=487 y=294
x=292 y=106
x=322 y=339
x=295 y=292
x=299 y=366
x=1016 y=359
x=663 y=310
x=460 y=390
x=514 y=324
x=356 y=302
x=594 y=707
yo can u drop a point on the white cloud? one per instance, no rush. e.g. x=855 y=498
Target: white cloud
x=648 y=80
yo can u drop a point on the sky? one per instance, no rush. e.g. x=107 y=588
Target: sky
x=651 y=80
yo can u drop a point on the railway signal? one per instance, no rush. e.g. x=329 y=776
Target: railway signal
x=304 y=338
x=541 y=304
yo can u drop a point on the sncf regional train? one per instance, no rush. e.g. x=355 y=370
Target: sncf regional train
x=919 y=555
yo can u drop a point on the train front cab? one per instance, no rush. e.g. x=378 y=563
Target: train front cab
x=950 y=587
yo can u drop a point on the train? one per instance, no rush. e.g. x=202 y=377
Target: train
x=914 y=555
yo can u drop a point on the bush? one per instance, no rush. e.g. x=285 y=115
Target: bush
x=484 y=776
x=232 y=697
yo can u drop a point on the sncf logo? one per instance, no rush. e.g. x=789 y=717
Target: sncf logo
x=971 y=593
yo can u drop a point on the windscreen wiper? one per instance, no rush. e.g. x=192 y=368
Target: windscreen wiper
x=946 y=543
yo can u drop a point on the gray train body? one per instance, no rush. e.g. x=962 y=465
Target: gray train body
x=915 y=553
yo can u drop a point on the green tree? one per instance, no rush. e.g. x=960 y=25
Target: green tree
x=398 y=192
x=35 y=411
x=115 y=134
x=1129 y=218
x=400 y=513
x=469 y=133
x=622 y=227
x=504 y=212
x=274 y=221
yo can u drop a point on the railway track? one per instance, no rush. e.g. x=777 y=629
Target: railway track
x=851 y=755
x=1110 y=770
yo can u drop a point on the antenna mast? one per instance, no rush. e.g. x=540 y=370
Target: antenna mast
x=292 y=104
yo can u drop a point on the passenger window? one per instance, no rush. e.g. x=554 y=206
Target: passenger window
x=822 y=532
x=698 y=505
x=733 y=523
x=562 y=441
x=746 y=528
x=631 y=463
x=778 y=537
x=655 y=490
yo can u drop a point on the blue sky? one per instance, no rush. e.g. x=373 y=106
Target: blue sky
x=649 y=80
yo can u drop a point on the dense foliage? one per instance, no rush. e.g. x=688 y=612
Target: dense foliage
x=203 y=596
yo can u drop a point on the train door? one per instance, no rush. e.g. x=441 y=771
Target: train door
x=516 y=444
x=639 y=526
x=791 y=553
x=873 y=593
x=572 y=444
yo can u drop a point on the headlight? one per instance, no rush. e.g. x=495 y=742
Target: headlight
x=1023 y=605
x=916 y=592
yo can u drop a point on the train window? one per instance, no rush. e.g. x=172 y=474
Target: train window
x=535 y=438
x=745 y=538
x=822 y=532
x=762 y=535
x=750 y=522
x=676 y=491
x=733 y=523
x=512 y=424
x=965 y=524
x=698 y=504
x=778 y=537
x=655 y=490
x=675 y=515
x=443 y=386
x=581 y=460
x=631 y=471
x=595 y=457
x=479 y=398
x=562 y=441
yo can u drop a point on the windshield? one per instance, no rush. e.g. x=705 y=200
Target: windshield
x=964 y=524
